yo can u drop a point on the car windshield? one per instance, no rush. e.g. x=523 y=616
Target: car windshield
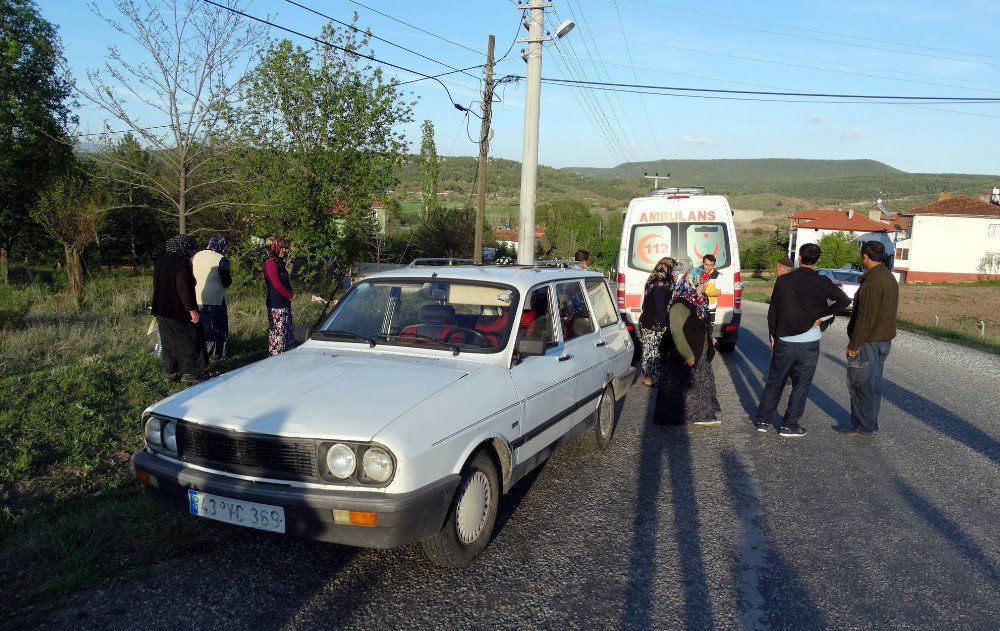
x=451 y=315
x=846 y=276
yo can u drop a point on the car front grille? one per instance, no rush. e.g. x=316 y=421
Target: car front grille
x=247 y=454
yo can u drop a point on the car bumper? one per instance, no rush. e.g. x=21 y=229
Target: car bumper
x=402 y=517
x=733 y=324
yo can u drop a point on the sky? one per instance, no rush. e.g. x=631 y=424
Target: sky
x=919 y=48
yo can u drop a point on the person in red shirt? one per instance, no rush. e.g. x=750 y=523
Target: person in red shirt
x=280 y=332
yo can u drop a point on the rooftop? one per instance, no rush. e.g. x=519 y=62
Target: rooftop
x=843 y=220
x=959 y=205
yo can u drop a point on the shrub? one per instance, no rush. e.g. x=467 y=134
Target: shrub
x=14 y=305
x=839 y=249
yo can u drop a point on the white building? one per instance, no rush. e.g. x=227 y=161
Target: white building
x=950 y=240
x=809 y=226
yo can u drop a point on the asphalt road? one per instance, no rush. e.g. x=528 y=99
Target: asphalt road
x=673 y=527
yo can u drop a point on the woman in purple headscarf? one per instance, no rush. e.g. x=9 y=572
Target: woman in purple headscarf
x=280 y=331
x=212 y=271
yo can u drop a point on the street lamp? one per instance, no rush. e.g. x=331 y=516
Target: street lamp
x=532 y=103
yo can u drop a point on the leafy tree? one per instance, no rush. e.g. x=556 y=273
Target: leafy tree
x=71 y=211
x=446 y=232
x=321 y=129
x=429 y=169
x=195 y=56
x=839 y=249
x=34 y=115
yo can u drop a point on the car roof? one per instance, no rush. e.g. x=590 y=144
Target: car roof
x=521 y=278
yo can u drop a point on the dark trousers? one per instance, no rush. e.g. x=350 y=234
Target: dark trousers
x=864 y=381
x=183 y=346
x=797 y=360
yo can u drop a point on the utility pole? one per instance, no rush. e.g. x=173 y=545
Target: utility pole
x=484 y=147
x=529 y=150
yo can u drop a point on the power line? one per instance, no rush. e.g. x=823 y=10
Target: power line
x=118 y=131
x=812 y=39
x=376 y=37
x=457 y=106
x=809 y=30
x=929 y=99
x=652 y=134
x=395 y=19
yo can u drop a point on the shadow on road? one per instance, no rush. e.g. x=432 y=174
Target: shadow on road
x=935 y=416
x=773 y=594
x=949 y=529
x=672 y=443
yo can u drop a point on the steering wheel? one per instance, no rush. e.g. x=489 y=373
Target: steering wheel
x=478 y=337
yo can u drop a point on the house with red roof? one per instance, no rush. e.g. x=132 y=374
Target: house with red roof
x=809 y=226
x=950 y=240
x=508 y=236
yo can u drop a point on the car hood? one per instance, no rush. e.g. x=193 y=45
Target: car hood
x=313 y=393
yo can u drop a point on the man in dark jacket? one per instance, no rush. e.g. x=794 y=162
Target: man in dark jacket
x=802 y=304
x=871 y=329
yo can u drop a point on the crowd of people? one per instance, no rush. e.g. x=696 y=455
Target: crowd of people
x=190 y=307
x=677 y=344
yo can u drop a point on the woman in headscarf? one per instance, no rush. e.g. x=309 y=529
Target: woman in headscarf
x=176 y=309
x=653 y=320
x=688 y=393
x=213 y=275
x=280 y=335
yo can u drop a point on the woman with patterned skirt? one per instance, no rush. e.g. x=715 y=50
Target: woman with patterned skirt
x=653 y=320
x=687 y=393
x=280 y=334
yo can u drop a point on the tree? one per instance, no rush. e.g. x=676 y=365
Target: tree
x=321 y=131
x=839 y=249
x=34 y=115
x=197 y=54
x=447 y=233
x=71 y=211
x=429 y=169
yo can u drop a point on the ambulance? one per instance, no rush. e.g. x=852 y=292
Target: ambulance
x=685 y=224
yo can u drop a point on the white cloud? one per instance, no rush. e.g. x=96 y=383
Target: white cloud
x=854 y=133
x=819 y=120
x=697 y=140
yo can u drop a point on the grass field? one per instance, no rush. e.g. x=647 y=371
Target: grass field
x=74 y=381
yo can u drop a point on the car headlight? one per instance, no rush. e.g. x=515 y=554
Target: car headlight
x=154 y=427
x=341 y=461
x=377 y=465
x=169 y=435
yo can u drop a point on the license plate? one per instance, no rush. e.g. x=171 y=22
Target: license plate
x=230 y=511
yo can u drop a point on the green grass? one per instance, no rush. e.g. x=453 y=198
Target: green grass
x=74 y=379
x=962 y=338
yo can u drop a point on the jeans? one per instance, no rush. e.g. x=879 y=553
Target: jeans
x=864 y=381
x=795 y=359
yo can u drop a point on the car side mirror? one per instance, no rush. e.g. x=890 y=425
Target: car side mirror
x=527 y=347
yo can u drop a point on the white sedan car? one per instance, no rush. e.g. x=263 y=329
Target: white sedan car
x=847 y=279
x=422 y=398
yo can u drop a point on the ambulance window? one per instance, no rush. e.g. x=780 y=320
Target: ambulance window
x=705 y=239
x=650 y=243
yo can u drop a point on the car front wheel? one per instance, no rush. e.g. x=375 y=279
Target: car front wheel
x=472 y=516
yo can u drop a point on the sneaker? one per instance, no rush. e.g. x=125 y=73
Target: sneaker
x=792 y=432
x=713 y=421
x=762 y=426
x=852 y=432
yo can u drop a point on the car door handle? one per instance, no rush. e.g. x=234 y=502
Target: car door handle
x=566 y=357
x=601 y=343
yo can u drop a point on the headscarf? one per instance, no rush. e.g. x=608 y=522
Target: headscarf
x=686 y=291
x=181 y=244
x=662 y=275
x=217 y=243
x=274 y=245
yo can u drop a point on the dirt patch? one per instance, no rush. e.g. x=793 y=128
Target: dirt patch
x=959 y=307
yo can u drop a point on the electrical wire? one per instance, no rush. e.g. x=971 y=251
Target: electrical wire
x=395 y=19
x=376 y=37
x=342 y=49
x=645 y=111
x=118 y=131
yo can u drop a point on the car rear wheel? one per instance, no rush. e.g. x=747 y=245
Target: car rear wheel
x=599 y=437
x=727 y=347
x=472 y=516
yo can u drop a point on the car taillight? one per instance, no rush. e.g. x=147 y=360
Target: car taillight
x=737 y=291
x=621 y=290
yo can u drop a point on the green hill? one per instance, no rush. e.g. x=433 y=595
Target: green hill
x=742 y=172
